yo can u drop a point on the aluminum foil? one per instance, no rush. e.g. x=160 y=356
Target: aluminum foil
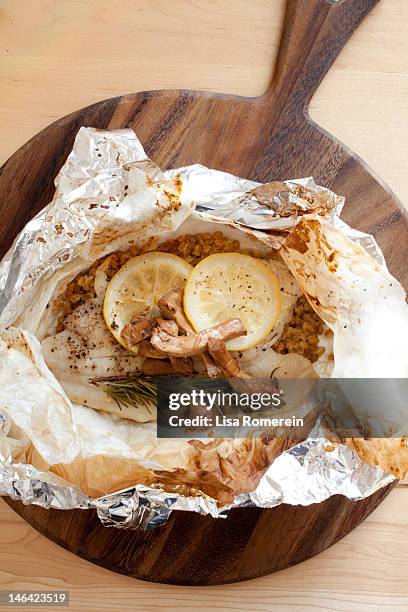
x=308 y=473
x=94 y=191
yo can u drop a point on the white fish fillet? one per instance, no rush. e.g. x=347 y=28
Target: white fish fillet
x=86 y=350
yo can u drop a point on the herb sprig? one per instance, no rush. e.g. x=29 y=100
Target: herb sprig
x=135 y=390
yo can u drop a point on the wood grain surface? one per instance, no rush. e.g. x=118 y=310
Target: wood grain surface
x=212 y=3
x=365 y=571
x=195 y=550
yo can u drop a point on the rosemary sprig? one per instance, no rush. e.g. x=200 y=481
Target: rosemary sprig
x=133 y=390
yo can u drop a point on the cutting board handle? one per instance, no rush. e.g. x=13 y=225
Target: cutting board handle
x=314 y=32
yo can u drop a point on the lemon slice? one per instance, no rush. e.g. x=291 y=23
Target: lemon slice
x=228 y=285
x=138 y=285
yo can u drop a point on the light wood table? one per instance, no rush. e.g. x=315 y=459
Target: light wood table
x=59 y=55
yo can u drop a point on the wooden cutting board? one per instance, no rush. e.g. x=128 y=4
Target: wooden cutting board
x=266 y=138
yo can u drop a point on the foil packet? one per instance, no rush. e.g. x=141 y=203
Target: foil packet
x=108 y=194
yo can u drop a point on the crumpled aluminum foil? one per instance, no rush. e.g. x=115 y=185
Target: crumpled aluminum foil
x=309 y=472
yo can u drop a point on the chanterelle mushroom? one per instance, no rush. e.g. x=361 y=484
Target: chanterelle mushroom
x=222 y=356
x=186 y=346
x=157 y=367
x=182 y=365
x=139 y=327
x=171 y=307
x=213 y=369
x=145 y=349
x=170 y=327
